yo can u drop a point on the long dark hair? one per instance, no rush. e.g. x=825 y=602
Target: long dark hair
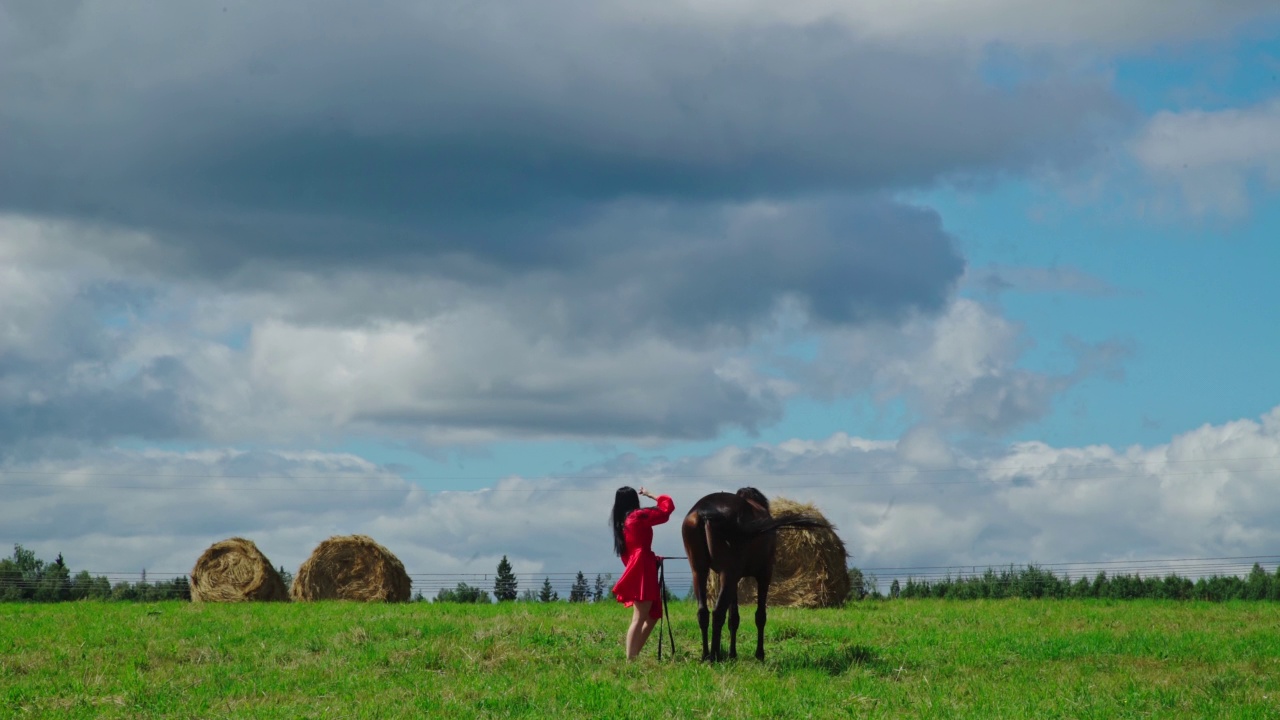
x=624 y=502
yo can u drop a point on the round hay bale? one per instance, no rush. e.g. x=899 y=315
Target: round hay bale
x=351 y=567
x=809 y=569
x=234 y=570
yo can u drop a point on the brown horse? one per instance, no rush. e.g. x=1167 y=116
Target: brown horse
x=734 y=535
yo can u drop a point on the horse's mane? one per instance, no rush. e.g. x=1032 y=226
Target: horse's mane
x=754 y=495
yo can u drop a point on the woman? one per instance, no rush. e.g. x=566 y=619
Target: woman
x=637 y=588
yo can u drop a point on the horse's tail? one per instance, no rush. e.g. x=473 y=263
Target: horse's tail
x=706 y=529
x=800 y=520
x=748 y=529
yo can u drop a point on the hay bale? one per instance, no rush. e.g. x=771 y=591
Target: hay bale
x=809 y=570
x=234 y=570
x=351 y=567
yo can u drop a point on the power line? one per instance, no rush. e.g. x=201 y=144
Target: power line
x=1012 y=482
x=676 y=570
x=1242 y=558
x=607 y=476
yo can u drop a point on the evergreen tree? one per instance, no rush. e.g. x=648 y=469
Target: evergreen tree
x=54 y=584
x=1258 y=584
x=895 y=590
x=547 y=594
x=529 y=595
x=597 y=592
x=285 y=576
x=504 y=585
x=580 y=592
x=179 y=588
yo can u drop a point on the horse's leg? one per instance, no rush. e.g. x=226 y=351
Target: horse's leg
x=762 y=615
x=704 y=615
x=697 y=549
x=734 y=620
x=728 y=597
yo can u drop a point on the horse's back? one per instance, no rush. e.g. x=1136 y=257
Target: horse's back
x=712 y=536
x=716 y=502
x=713 y=505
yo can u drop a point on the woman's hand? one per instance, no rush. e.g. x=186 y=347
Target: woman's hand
x=646 y=493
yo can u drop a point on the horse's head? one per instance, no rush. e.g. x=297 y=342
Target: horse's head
x=753 y=495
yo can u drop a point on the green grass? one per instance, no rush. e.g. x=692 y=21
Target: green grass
x=922 y=658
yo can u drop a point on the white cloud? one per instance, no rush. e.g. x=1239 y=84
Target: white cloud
x=478 y=370
x=102 y=350
x=960 y=369
x=1208 y=492
x=1213 y=158
x=1099 y=22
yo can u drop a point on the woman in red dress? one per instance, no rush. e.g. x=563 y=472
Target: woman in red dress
x=637 y=588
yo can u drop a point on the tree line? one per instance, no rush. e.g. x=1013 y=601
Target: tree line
x=506 y=588
x=26 y=578
x=1032 y=582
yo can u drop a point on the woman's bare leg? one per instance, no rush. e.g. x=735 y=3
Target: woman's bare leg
x=635 y=635
x=646 y=626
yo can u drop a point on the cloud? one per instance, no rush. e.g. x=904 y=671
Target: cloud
x=1214 y=159
x=292 y=224
x=675 y=270
x=407 y=134
x=1090 y=22
x=993 y=280
x=684 y=333
x=441 y=224
x=66 y=377
x=655 y=340
x=911 y=503
x=959 y=370
x=475 y=371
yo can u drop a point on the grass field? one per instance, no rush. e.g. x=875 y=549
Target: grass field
x=921 y=658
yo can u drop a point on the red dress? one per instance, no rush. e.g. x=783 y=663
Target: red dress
x=639 y=581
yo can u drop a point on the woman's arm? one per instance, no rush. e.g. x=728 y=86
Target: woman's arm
x=661 y=513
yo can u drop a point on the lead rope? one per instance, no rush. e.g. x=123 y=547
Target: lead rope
x=662 y=588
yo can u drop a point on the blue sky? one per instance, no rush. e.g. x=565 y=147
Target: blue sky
x=456 y=267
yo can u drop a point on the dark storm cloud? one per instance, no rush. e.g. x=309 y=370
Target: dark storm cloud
x=327 y=134
x=149 y=404
x=66 y=375
x=683 y=269
x=845 y=261
x=592 y=219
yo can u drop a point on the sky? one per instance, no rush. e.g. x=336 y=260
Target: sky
x=988 y=282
